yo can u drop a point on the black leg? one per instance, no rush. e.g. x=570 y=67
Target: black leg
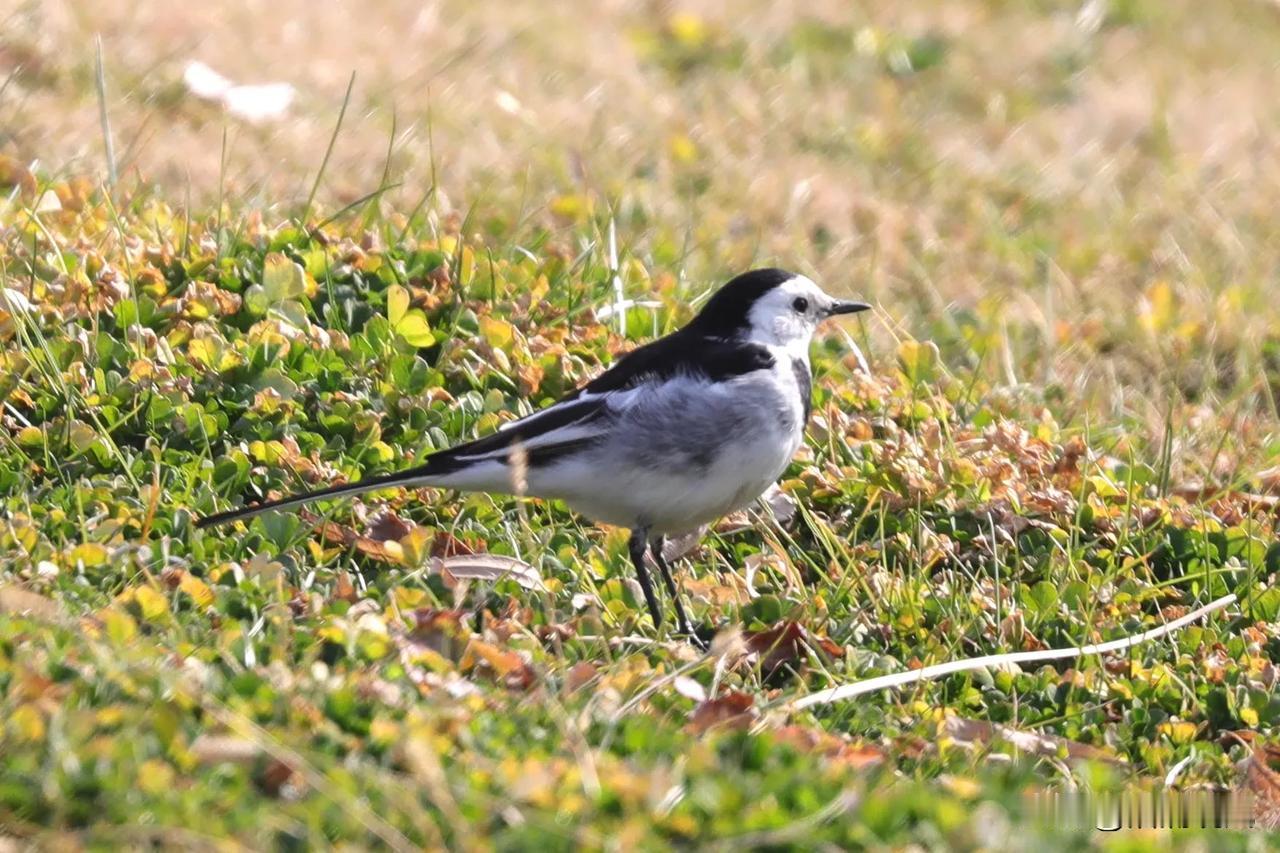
x=682 y=621
x=639 y=543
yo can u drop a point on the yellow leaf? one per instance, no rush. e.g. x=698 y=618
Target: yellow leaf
x=466 y=266
x=30 y=436
x=687 y=29
x=282 y=279
x=918 y=360
x=120 y=625
x=1178 y=731
x=394 y=551
x=153 y=604
x=82 y=435
x=409 y=323
x=333 y=633
x=27 y=723
x=109 y=717
x=397 y=303
x=503 y=662
x=384 y=731
x=91 y=554
x=496 y=332
x=155 y=777
x=199 y=591
x=683 y=149
x=416 y=546
x=569 y=206
x=409 y=598
x=415 y=329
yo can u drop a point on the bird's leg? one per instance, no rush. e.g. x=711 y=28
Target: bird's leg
x=638 y=544
x=682 y=621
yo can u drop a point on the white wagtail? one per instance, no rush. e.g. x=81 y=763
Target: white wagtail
x=678 y=433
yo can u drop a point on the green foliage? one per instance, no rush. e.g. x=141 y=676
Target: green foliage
x=285 y=683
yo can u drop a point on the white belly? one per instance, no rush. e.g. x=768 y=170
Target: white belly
x=685 y=460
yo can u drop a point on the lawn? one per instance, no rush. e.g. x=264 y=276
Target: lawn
x=1058 y=427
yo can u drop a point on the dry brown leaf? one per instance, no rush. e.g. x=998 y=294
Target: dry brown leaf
x=783 y=506
x=1262 y=782
x=386 y=550
x=732 y=710
x=981 y=732
x=442 y=631
x=343 y=590
x=841 y=750
x=580 y=674
x=675 y=547
x=508 y=665
x=23 y=602
x=489 y=567
x=389 y=527
x=224 y=749
x=445 y=544
x=786 y=643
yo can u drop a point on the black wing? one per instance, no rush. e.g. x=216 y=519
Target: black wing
x=679 y=354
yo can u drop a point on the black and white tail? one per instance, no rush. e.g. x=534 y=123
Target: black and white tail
x=485 y=464
x=422 y=475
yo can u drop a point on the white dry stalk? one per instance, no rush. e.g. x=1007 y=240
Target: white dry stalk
x=618 y=296
x=898 y=679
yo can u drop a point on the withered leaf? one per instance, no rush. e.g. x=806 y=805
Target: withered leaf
x=224 y=749
x=508 y=665
x=490 y=567
x=23 y=602
x=786 y=643
x=731 y=710
x=1262 y=781
x=981 y=732
x=389 y=527
x=854 y=754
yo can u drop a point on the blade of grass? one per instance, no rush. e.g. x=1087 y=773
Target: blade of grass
x=100 y=81
x=328 y=152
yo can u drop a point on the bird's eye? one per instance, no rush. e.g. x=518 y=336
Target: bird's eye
x=801 y=305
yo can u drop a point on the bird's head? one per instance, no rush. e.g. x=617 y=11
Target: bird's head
x=772 y=307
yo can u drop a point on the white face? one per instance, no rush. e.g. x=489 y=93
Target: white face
x=788 y=315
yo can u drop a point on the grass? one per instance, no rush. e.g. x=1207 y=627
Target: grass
x=1064 y=437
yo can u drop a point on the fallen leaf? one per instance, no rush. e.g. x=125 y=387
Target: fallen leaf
x=967 y=731
x=580 y=674
x=389 y=527
x=841 y=750
x=489 y=567
x=23 y=602
x=386 y=550
x=224 y=749
x=781 y=504
x=343 y=589
x=690 y=689
x=442 y=631
x=445 y=544
x=151 y=602
x=731 y=710
x=508 y=665
x=1263 y=784
x=199 y=591
x=278 y=779
x=675 y=547
x=786 y=643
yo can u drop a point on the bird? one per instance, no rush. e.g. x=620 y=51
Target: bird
x=674 y=435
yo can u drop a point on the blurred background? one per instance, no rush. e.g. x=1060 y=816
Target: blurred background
x=1075 y=196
